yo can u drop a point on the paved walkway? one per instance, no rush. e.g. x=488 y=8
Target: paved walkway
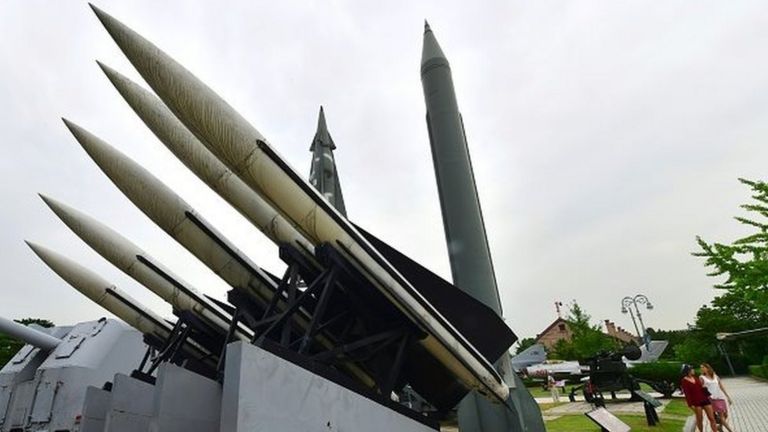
x=749 y=412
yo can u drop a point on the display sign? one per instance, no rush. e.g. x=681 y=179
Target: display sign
x=607 y=421
x=648 y=398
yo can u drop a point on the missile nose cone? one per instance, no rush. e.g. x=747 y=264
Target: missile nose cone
x=95 y=148
x=108 y=71
x=116 y=78
x=67 y=214
x=78 y=132
x=37 y=249
x=106 y=19
x=322 y=136
x=50 y=202
x=431 y=51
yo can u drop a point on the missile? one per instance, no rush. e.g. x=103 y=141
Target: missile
x=29 y=335
x=246 y=152
x=177 y=218
x=465 y=235
x=108 y=296
x=192 y=153
x=470 y=256
x=112 y=298
x=142 y=267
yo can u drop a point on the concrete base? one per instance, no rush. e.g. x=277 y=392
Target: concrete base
x=95 y=409
x=131 y=405
x=265 y=393
x=185 y=402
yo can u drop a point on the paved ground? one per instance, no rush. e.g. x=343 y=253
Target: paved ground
x=750 y=404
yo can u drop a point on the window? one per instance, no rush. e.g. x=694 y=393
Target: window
x=561 y=327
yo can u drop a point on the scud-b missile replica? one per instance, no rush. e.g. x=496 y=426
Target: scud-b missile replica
x=347 y=339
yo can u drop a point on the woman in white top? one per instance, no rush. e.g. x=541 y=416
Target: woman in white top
x=717 y=393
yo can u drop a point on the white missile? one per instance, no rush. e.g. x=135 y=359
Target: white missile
x=192 y=153
x=246 y=152
x=108 y=296
x=142 y=267
x=176 y=217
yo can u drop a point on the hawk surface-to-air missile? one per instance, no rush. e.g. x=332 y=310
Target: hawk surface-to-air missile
x=111 y=298
x=192 y=153
x=142 y=267
x=351 y=328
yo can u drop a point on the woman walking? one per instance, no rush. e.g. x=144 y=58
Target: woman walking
x=697 y=399
x=717 y=394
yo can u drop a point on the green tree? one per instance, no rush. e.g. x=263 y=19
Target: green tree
x=743 y=304
x=587 y=339
x=673 y=337
x=744 y=262
x=524 y=344
x=39 y=321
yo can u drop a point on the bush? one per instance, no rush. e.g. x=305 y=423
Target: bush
x=668 y=371
x=760 y=371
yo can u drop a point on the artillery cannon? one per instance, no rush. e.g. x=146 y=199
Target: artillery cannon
x=609 y=373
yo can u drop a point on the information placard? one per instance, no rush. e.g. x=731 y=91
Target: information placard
x=648 y=398
x=607 y=421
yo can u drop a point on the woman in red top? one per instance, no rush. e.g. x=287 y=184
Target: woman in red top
x=697 y=399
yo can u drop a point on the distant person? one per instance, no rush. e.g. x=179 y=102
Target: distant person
x=717 y=393
x=552 y=384
x=697 y=399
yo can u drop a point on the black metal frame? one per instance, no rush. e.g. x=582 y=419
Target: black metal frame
x=305 y=308
x=275 y=322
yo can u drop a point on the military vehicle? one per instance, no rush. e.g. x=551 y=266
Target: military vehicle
x=608 y=373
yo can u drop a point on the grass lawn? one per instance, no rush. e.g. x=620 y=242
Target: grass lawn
x=677 y=407
x=547 y=405
x=579 y=423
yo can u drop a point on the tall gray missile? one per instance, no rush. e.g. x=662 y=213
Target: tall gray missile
x=192 y=153
x=465 y=235
x=108 y=296
x=246 y=152
x=322 y=173
x=470 y=257
x=142 y=267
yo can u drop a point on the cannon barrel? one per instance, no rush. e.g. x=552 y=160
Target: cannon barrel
x=29 y=335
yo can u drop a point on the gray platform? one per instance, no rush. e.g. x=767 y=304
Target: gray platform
x=264 y=393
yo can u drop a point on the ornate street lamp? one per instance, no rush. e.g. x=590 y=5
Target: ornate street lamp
x=626 y=306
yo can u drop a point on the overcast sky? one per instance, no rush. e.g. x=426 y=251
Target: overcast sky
x=605 y=135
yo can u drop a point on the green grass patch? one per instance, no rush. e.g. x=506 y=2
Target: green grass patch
x=545 y=406
x=677 y=407
x=580 y=423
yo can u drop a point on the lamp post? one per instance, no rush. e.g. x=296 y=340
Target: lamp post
x=626 y=306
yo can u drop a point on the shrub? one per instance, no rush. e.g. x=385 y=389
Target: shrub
x=668 y=371
x=760 y=371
